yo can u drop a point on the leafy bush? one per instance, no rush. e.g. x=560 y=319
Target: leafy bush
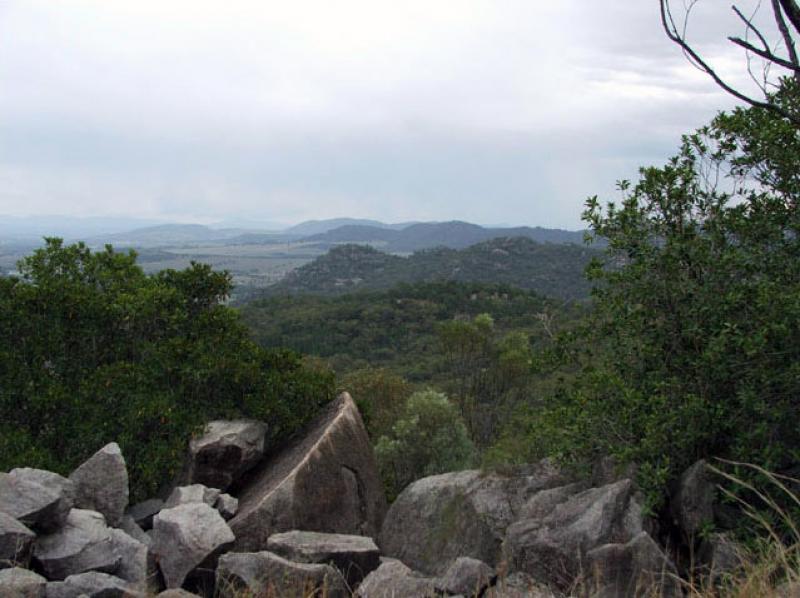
x=429 y=438
x=93 y=350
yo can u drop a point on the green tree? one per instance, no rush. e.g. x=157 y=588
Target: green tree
x=93 y=350
x=429 y=438
x=694 y=333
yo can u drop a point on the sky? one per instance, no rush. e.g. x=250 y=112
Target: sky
x=490 y=111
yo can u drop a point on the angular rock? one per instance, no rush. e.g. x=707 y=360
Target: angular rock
x=393 y=579
x=719 y=555
x=692 y=505
x=466 y=576
x=188 y=537
x=143 y=512
x=129 y=526
x=227 y=506
x=354 y=556
x=36 y=498
x=225 y=451
x=132 y=554
x=518 y=585
x=83 y=544
x=265 y=573
x=16 y=542
x=176 y=593
x=21 y=583
x=440 y=518
x=196 y=493
x=101 y=484
x=552 y=548
x=637 y=568
x=326 y=481
x=92 y=584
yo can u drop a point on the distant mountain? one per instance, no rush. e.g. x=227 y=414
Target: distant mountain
x=425 y=235
x=556 y=270
x=67 y=227
x=167 y=234
x=318 y=227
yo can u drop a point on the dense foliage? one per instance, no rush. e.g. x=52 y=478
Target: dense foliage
x=92 y=350
x=691 y=350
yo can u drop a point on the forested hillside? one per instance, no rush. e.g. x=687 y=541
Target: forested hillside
x=554 y=270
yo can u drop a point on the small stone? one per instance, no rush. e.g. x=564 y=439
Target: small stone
x=227 y=506
x=143 y=512
x=196 y=493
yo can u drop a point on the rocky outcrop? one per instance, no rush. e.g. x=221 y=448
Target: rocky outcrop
x=466 y=576
x=637 y=568
x=354 y=556
x=39 y=499
x=196 y=493
x=92 y=585
x=187 y=537
x=21 y=583
x=225 y=451
x=393 y=579
x=16 y=541
x=142 y=513
x=325 y=481
x=692 y=505
x=101 y=484
x=265 y=573
x=83 y=544
x=440 y=518
x=552 y=548
x=519 y=585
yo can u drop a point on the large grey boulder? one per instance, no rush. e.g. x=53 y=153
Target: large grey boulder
x=132 y=554
x=552 y=548
x=719 y=555
x=101 y=484
x=183 y=495
x=16 y=541
x=326 y=480
x=637 y=568
x=188 y=537
x=225 y=451
x=692 y=504
x=440 y=518
x=92 y=584
x=393 y=579
x=466 y=576
x=130 y=527
x=354 y=556
x=518 y=585
x=176 y=593
x=36 y=498
x=142 y=513
x=21 y=583
x=267 y=574
x=83 y=544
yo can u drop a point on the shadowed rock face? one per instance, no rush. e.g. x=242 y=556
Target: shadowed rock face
x=326 y=480
x=101 y=484
x=36 y=498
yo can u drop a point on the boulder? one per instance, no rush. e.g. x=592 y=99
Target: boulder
x=21 y=583
x=142 y=513
x=101 y=484
x=354 y=556
x=552 y=548
x=466 y=576
x=92 y=584
x=83 y=544
x=518 y=585
x=188 y=537
x=36 y=498
x=692 y=503
x=225 y=451
x=326 y=480
x=440 y=518
x=393 y=579
x=227 y=506
x=132 y=554
x=16 y=541
x=718 y=556
x=130 y=527
x=183 y=495
x=176 y=593
x=267 y=574
x=637 y=568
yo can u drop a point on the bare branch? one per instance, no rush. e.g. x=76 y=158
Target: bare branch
x=766 y=54
x=792 y=11
x=787 y=37
x=749 y=24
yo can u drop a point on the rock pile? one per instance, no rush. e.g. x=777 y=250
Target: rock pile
x=302 y=521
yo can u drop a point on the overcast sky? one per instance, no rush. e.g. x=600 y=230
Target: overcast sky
x=492 y=111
